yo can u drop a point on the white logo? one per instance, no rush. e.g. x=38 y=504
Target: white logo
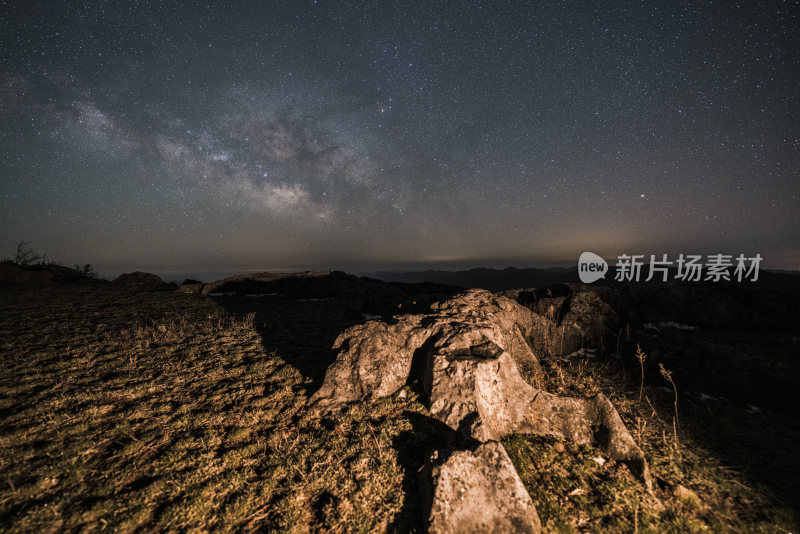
x=687 y=268
x=591 y=267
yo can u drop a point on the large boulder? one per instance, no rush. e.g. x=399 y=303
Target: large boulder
x=375 y=359
x=478 y=316
x=589 y=315
x=564 y=323
x=478 y=391
x=476 y=491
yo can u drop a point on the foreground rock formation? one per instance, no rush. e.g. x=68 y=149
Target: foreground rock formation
x=375 y=358
x=565 y=320
x=479 y=491
x=467 y=352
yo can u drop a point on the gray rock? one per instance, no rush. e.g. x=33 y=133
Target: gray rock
x=591 y=421
x=468 y=350
x=479 y=491
x=374 y=360
x=590 y=316
x=470 y=346
x=478 y=391
x=564 y=324
x=476 y=316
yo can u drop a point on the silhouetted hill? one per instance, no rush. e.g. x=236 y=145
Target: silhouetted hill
x=513 y=278
x=491 y=279
x=12 y=274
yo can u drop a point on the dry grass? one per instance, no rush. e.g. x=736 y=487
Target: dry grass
x=164 y=411
x=160 y=411
x=573 y=491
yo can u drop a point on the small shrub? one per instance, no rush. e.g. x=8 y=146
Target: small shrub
x=25 y=254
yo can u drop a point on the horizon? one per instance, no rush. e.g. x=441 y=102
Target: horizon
x=207 y=276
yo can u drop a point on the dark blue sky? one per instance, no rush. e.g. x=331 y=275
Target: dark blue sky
x=291 y=135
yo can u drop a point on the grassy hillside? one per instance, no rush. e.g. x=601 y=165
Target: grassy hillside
x=167 y=411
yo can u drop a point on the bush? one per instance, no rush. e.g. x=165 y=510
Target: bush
x=25 y=254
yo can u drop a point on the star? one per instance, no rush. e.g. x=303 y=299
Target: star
x=265 y=130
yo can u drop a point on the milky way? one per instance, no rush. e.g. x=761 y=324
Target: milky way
x=383 y=134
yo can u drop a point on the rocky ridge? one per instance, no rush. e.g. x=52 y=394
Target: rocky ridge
x=467 y=352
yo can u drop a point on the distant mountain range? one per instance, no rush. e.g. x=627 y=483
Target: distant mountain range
x=512 y=278
x=491 y=279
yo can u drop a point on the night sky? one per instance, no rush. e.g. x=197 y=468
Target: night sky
x=189 y=138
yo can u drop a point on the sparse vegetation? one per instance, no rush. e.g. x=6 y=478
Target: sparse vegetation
x=163 y=411
x=641 y=357
x=86 y=270
x=27 y=260
x=668 y=377
x=25 y=255
x=575 y=489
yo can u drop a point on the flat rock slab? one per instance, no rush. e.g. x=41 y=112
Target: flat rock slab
x=587 y=421
x=478 y=391
x=478 y=491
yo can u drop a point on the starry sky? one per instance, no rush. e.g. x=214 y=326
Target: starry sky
x=192 y=137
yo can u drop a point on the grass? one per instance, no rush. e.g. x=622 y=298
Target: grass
x=575 y=488
x=164 y=411
x=570 y=488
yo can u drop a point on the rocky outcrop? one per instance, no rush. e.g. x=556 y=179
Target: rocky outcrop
x=476 y=491
x=141 y=281
x=375 y=358
x=478 y=391
x=478 y=316
x=565 y=321
x=466 y=352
